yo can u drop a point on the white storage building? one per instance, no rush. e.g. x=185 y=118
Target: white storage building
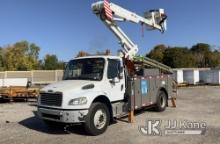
x=191 y=76
x=178 y=75
x=210 y=76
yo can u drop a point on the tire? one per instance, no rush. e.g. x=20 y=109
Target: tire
x=97 y=120
x=161 y=103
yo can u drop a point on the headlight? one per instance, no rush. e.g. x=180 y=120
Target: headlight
x=78 y=101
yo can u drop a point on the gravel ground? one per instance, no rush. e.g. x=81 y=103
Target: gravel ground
x=18 y=124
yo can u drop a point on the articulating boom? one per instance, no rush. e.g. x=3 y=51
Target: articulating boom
x=111 y=13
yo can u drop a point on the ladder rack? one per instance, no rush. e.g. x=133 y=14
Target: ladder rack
x=147 y=62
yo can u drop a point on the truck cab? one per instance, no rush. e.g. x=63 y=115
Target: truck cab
x=86 y=80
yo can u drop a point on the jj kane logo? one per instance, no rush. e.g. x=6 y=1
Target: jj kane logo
x=172 y=127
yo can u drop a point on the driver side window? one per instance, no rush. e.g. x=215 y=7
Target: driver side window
x=113 y=68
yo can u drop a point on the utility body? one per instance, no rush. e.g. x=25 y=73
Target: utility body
x=96 y=90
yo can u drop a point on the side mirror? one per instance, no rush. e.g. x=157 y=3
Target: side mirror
x=121 y=71
x=65 y=64
x=115 y=80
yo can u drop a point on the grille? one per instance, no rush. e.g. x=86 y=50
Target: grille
x=51 y=116
x=51 y=99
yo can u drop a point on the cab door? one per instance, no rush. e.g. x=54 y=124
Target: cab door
x=115 y=80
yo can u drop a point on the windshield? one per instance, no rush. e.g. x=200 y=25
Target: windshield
x=85 y=69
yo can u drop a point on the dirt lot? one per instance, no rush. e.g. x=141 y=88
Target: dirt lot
x=18 y=124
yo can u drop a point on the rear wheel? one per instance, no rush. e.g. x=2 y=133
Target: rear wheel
x=97 y=120
x=161 y=101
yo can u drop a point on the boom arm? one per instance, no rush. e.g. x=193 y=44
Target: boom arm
x=110 y=13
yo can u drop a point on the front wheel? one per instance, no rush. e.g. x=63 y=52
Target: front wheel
x=161 y=101
x=97 y=120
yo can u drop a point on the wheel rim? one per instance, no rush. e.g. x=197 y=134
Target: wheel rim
x=100 y=118
x=162 y=101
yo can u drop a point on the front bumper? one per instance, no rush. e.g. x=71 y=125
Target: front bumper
x=62 y=115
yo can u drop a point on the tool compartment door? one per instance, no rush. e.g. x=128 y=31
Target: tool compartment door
x=137 y=94
x=141 y=93
x=145 y=97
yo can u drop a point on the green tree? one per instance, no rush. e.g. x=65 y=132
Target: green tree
x=213 y=59
x=2 y=67
x=33 y=54
x=202 y=53
x=15 y=56
x=50 y=62
x=178 y=57
x=21 y=56
x=25 y=56
x=157 y=53
x=61 y=65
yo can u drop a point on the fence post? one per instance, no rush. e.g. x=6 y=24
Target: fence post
x=56 y=76
x=5 y=76
x=32 y=77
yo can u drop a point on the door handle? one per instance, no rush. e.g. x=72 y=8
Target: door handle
x=122 y=87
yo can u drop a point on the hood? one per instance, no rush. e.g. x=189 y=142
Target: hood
x=66 y=85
